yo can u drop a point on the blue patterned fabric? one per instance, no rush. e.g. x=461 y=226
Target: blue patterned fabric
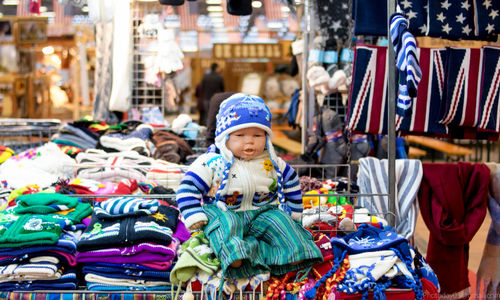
x=409 y=73
x=416 y=13
x=451 y=19
x=488 y=17
x=490 y=90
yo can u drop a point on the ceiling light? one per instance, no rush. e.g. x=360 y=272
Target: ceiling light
x=217 y=20
x=214 y=8
x=215 y=14
x=10 y=2
x=256 y=4
x=274 y=25
x=48 y=50
x=214 y=1
x=48 y=14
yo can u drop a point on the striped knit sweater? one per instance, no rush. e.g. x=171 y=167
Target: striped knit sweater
x=251 y=185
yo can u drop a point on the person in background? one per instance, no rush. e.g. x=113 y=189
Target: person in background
x=211 y=83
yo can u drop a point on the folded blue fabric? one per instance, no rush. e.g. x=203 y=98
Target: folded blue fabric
x=124 y=273
x=106 y=287
x=370 y=17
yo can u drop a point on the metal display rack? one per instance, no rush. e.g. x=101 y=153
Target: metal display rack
x=143 y=93
x=308 y=103
x=23 y=134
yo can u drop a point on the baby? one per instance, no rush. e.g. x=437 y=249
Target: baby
x=252 y=203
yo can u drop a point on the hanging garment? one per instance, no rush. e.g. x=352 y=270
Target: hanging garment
x=416 y=13
x=367 y=102
x=426 y=115
x=487 y=17
x=460 y=106
x=451 y=19
x=490 y=90
x=334 y=19
x=120 y=93
x=372 y=178
x=409 y=73
x=103 y=74
x=452 y=199
x=370 y=17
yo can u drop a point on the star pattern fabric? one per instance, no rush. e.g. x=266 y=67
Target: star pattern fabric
x=488 y=17
x=334 y=20
x=416 y=14
x=451 y=19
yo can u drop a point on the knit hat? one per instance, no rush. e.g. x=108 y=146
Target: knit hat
x=195 y=254
x=369 y=238
x=243 y=111
x=239 y=7
x=325 y=246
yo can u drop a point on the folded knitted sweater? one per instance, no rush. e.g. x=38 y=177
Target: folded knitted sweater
x=128 y=221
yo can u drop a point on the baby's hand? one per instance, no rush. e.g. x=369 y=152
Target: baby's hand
x=198 y=225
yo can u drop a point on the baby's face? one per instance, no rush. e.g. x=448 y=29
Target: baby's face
x=247 y=143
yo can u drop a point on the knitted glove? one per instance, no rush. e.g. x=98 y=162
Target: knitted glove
x=339 y=78
x=316 y=54
x=169 y=57
x=318 y=78
x=335 y=147
x=360 y=147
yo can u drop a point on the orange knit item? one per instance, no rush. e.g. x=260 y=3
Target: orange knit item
x=332 y=282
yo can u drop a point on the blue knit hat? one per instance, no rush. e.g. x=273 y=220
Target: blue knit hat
x=243 y=111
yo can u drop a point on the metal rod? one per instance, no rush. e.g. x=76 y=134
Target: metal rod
x=391 y=114
x=305 y=93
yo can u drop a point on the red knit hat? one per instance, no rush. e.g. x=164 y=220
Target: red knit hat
x=325 y=246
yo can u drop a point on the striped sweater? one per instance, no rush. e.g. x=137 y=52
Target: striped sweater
x=251 y=185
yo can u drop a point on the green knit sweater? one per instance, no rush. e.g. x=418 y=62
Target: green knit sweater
x=39 y=219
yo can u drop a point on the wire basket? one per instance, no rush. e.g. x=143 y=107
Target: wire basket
x=23 y=134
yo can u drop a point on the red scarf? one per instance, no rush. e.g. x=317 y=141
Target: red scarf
x=452 y=199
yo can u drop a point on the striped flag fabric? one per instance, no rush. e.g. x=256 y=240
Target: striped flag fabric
x=230 y=21
x=367 y=111
x=273 y=10
x=59 y=16
x=23 y=8
x=490 y=90
x=426 y=113
x=188 y=16
x=460 y=106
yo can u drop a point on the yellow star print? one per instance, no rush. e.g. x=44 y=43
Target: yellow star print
x=268 y=165
x=160 y=216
